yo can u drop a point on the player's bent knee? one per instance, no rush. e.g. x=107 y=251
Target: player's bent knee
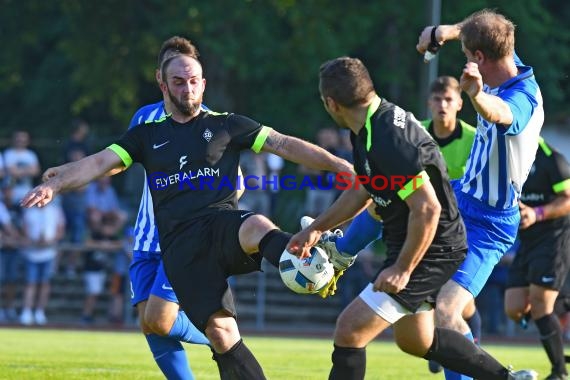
x=413 y=347
x=160 y=327
x=513 y=312
x=222 y=332
x=344 y=334
x=252 y=230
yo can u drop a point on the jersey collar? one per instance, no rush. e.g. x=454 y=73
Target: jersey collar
x=368 y=125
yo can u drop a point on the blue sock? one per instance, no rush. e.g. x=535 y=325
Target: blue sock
x=450 y=375
x=170 y=357
x=184 y=331
x=363 y=229
x=475 y=325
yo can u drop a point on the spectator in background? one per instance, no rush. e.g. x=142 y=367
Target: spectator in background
x=21 y=164
x=104 y=214
x=2 y=168
x=323 y=194
x=275 y=165
x=106 y=222
x=75 y=209
x=77 y=141
x=43 y=229
x=344 y=149
x=94 y=275
x=119 y=277
x=10 y=239
x=257 y=196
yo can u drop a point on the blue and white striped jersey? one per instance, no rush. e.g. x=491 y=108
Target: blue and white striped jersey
x=501 y=156
x=146 y=233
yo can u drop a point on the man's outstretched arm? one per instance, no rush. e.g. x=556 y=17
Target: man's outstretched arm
x=71 y=176
x=302 y=152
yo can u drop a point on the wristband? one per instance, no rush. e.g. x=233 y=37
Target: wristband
x=539 y=213
x=434 y=45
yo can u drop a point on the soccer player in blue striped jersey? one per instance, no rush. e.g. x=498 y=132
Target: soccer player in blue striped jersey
x=508 y=102
x=161 y=319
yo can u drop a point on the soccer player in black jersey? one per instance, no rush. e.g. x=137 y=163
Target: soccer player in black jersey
x=423 y=231
x=543 y=258
x=191 y=160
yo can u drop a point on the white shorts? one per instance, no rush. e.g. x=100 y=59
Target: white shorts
x=94 y=282
x=386 y=307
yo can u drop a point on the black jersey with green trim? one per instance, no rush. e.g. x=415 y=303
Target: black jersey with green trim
x=191 y=168
x=398 y=146
x=549 y=175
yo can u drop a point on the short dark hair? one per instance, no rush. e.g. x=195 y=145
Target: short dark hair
x=490 y=32
x=346 y=80
x=176 y=45
x=443 y=83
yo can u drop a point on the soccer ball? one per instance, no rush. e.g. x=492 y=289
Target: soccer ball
x=308 y=275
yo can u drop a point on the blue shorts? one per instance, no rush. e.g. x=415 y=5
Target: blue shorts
x=38 y=273
x=148 y=277
x=490 y=233
x=10 y=266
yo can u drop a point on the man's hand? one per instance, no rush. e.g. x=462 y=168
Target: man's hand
x=330 y=288
x=443 y=33
x=301 y=243
x=471 y=81
x=391 y=280
x=528 y=216
x=425 y=39
x=39 y=196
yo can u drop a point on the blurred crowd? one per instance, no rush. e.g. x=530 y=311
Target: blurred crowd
x=81 y=234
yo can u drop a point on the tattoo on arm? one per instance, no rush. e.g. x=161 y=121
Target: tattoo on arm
x=276 y=141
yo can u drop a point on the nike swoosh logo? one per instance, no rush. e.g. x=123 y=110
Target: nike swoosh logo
x=547 y=279
x=246 y=214
x=166 y=287
x=156 y=146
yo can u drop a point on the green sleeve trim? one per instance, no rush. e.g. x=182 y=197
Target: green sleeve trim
x=414 y=184
x=545 y=148
x=260 y=139
x=123 y=155
x=561 y=186
x=371 y=109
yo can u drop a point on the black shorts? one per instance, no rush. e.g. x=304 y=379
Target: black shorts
x=434 y=270
x=543 y=262
x=201 y=258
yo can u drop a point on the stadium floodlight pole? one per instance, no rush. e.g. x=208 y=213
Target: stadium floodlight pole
x=435 y=6
x=433 y=9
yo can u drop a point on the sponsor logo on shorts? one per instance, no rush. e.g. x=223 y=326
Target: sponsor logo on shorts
x=547 y=279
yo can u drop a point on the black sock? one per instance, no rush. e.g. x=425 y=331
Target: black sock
x=348 y=363
x=551 y=338
x=474 y=323
x=457 y=353
x=273 y=244
x=238 y=363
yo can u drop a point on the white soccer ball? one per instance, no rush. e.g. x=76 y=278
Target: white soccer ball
x=308 y=275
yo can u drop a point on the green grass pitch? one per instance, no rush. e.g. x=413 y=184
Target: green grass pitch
x=64 y=354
